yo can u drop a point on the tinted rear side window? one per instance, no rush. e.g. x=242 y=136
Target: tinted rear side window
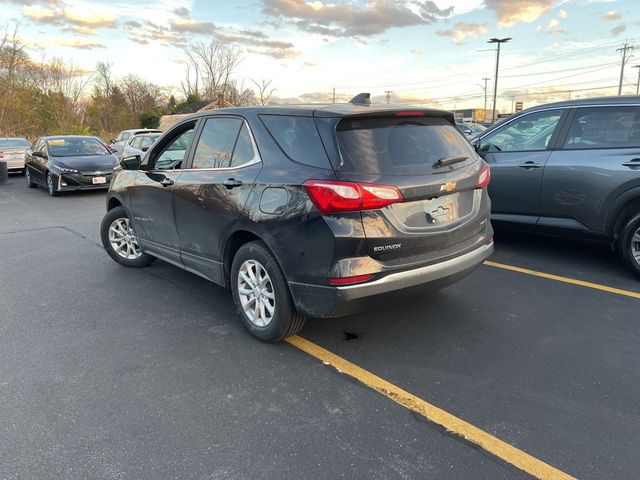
x=604 y=127
x=398 y=146
x=298 y=138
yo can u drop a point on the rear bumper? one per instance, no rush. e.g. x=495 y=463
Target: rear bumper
x=324 y=301
x=13 y=165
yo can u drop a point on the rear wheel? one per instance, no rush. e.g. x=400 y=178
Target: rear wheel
x=261 y=294
x=120 y=241
x=629 y=245
x=30 y=182
x=51 y=187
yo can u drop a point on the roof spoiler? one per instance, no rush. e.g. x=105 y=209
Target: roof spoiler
x=361 y=99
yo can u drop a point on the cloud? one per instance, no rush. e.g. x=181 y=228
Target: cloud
x=611 y=16
x=70 y=17
x=618 y=30
x=182 y=12
x=510 y=12
x=78 y=43
x=351 y=19
x=416 y=51
x=463 y=30
x=192 y=26
x=277 y=53
x=563 y=14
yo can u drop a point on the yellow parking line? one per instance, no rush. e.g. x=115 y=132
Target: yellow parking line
x=451 y=423
x=558 y=278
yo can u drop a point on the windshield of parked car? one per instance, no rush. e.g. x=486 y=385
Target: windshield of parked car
x=14 y=143
x=74 y=147
x=398 y=146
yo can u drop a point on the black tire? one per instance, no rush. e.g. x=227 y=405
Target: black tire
x=285 y=320
x=112 y=215
x=30 y=182
x=627 y=246
x=51 y=187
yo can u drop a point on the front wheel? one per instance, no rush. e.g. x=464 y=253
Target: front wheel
x=51 y=186
x=120 y=241
x=261 y=294
x=630 y=244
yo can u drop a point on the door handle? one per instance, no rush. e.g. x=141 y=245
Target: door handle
x=634 y=163
x=231 y=183
x=530 y=165
x=166 y=182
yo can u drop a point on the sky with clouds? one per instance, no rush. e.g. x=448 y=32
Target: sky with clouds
x=423 y=51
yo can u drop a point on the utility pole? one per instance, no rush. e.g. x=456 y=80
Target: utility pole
x=388 y=92
x=623 y=49
x=499 y=41
x=637 y=84
x=334 y=94
x=486 y=79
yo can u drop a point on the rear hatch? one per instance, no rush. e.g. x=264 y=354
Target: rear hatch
x=436 y=170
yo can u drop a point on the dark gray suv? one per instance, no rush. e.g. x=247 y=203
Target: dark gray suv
x=572 y=168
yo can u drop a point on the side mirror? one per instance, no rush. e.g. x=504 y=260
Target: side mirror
x=144 y=149
x=475 y=143
x=131 y=163
x=112 y=141
x=38 y=154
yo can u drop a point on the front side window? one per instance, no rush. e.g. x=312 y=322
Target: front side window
x=172 y=154
x=604 y=127
x=528 y=133
x=216 y=143
x=125 y=136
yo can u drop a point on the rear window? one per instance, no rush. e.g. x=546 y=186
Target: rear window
x=14 y=143
x=398 y=146
x=298 y=138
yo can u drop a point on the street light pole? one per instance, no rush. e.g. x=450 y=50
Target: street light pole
x=637 y=84
x=499 y=41
x=486 y=79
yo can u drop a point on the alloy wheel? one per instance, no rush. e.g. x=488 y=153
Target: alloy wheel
x=123 y=240
x=635 y=246
x=50 y=184
x=256 y=293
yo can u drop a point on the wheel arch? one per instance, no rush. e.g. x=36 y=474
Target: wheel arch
x=624 y=208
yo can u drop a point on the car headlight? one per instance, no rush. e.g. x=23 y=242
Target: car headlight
x=65 y=169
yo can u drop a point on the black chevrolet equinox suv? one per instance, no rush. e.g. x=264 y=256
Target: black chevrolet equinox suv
x=305 y=211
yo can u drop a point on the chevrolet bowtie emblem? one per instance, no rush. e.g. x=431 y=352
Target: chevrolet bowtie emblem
x=448 y=187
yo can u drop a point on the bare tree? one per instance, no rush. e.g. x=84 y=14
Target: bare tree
x=209 y=68
x=140 y=94
x=264 y=90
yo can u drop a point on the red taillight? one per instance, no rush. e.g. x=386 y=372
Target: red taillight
x=350 y=280
x=1 y=154
x=333 y=197
x=409 y=113
x=484 y=177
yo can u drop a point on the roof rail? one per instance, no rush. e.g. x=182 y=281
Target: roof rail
x=361 y=99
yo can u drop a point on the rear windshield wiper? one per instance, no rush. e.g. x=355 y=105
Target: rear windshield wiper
x=443 y=162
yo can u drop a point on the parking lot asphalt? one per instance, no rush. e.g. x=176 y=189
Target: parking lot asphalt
x=107 y=372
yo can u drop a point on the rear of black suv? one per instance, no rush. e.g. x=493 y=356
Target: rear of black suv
x=306 y=211
x=407 y=208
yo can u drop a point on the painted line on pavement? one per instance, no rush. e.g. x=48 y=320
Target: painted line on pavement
x=573 y=281
x=451 y=423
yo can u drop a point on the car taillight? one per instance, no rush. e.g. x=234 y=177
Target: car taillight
x=350 y=280
x=333 y=197
x=484 y=177
x=1 y=154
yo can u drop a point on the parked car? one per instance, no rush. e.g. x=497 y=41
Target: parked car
x=138 y=144
x=570 y=168
x=67 y=163
x=13 y=151
x=464 y=129
x=305 y=211
x=117 y=145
